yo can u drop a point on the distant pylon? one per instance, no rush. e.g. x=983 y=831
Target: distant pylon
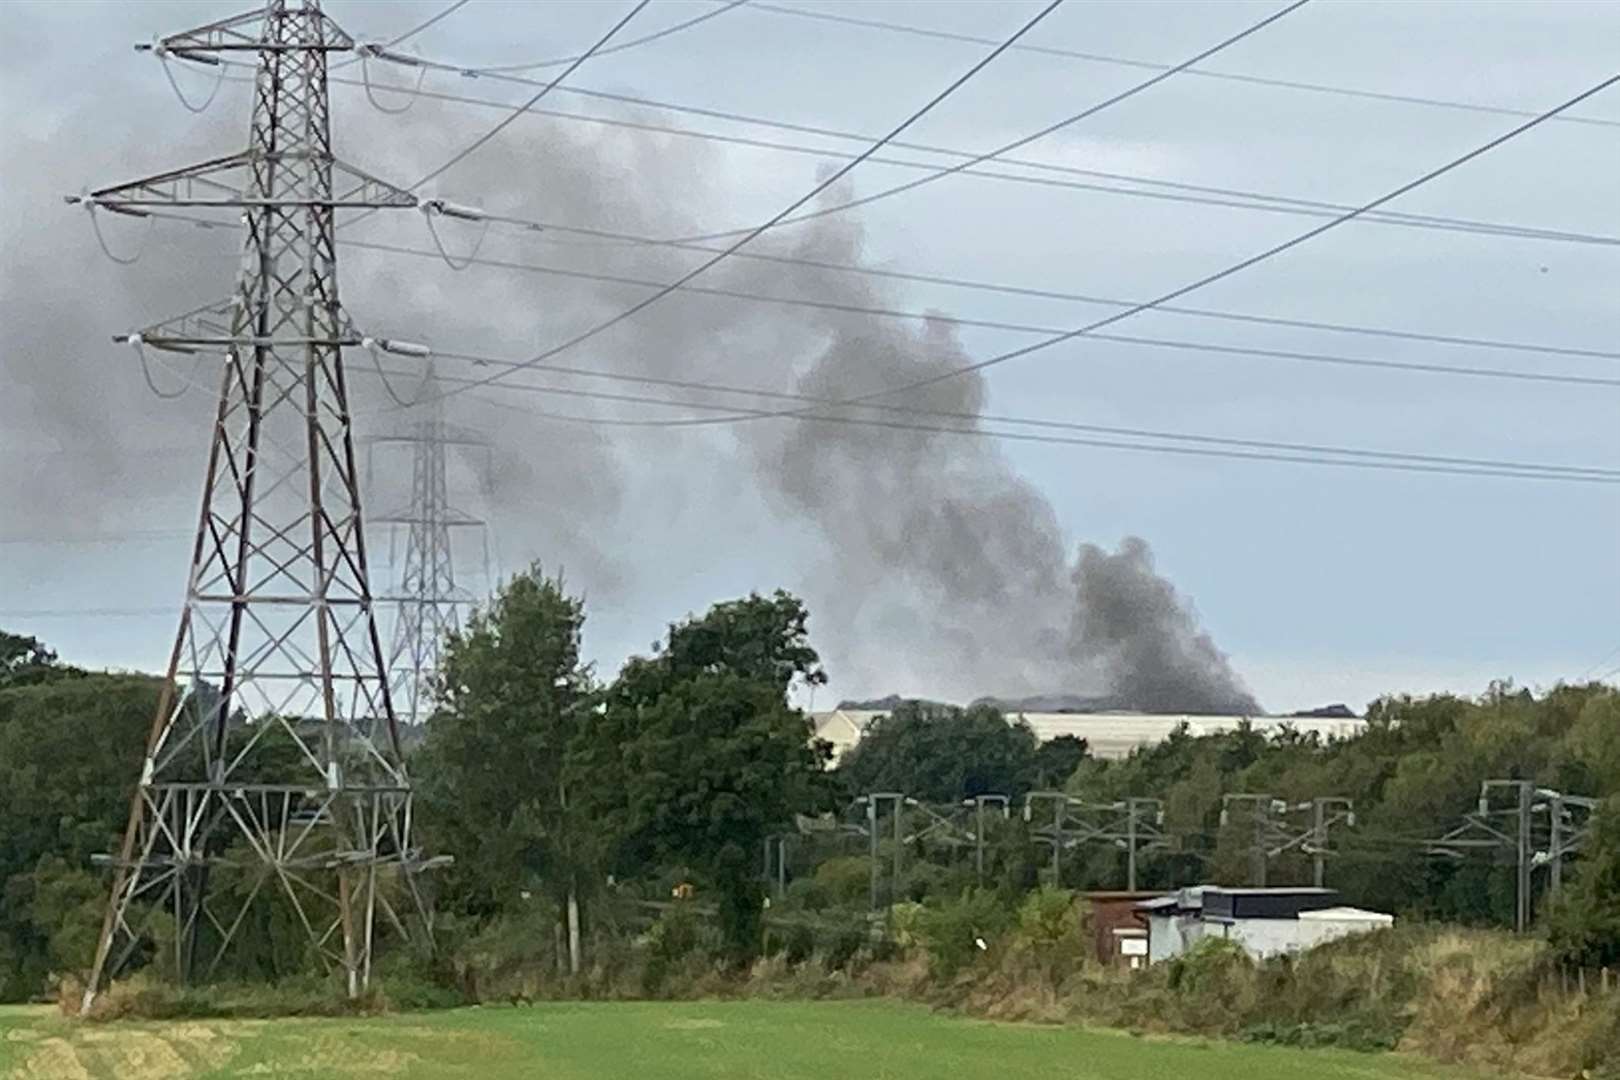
x=274 y=759
x=427 y=599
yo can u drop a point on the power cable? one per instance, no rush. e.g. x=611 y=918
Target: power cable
x=539 y=227
x=728 y=5
x=417 y=29
x=1604 y=659
x=1103 y=58
x=1031 y=437
x=1024 y=328
x=1213 y=348
x=467 y=260
x=371 y=93
x=1175 y=191
x=101 y=241
x=831 y=179
x=174 y=85
x=473 y=146
x=407 y=35
x=974 y=417
x=151 y=384
x=1198 y=283
x=978 y=159
x=1202 y=445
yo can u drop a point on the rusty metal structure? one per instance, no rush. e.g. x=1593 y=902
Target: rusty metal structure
x=273 y=765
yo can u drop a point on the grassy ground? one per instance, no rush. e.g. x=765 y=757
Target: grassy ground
x=758 y=1040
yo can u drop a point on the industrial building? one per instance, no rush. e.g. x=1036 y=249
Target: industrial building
x=1265 y=922
x=1110 y=735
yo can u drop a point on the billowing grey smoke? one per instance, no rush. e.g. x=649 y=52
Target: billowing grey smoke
x=1132 y=622
x=930 y=565
x=950 y=572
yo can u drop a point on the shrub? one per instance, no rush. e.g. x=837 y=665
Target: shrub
x=1048 y=919
x=956 y=931
x=808 y=894
x=847 y=879
x=801 y=943
x=844 y=947
x=1211 y=970
x=677 y=936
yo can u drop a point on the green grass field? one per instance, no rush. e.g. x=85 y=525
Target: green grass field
x=754 y=1040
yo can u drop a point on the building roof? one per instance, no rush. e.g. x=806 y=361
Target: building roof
x=1109 y=734
x=1348 y=914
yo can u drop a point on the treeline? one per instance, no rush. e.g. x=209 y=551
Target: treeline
x=1412 y=776
x=577 y=806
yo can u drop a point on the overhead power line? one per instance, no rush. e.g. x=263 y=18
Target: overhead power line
x=538 y=230
x=1151 y=188
x=831 y=179
x=1104 y=58
x=466 y=151
x=400 y=39
x=1529 y=473
x=1169 y=442
x=748 y=232
x=1016 y=144
x=675 y=28
x=1198 y=283
x=419 y=27
x=1064 y=425
x=1023 y=328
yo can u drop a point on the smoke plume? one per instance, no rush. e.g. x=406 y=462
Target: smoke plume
x=930 y=564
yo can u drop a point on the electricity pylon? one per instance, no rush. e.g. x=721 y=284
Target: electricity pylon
x=426 y=598
x=274 y=757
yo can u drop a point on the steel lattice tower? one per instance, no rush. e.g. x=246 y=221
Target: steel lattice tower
x=427 y=599
x=274 y=760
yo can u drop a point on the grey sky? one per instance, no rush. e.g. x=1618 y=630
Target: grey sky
x=1320 y=583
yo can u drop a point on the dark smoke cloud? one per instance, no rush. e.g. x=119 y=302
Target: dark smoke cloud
x=1146 y=637
x=930 y=564
x=951 y=573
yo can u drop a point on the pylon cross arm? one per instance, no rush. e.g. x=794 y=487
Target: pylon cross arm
x=244 y=33
x=213 y=183
x=210 y=327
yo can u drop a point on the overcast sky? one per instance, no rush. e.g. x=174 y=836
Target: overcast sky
x=1320 y=584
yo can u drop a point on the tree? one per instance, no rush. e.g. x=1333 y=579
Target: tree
x=513 y=696
x=1585 y=923
x=25 y=661
x=698 y=756
x=1057 y=759
x=942 y=753
x=70 y=753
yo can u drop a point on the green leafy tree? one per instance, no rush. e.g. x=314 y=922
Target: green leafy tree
x=70 y=753
x=513 y=696
x=1585 y=923
x=26 y=661
x=698 y=755
x=1057 y=759
x=942 y=753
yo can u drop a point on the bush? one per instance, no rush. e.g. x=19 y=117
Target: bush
x=1048 y=919
x=844 y=947
x=1211 y=970
x=676 y=936
x=143 y=997
x=1353 y=1034
x=846 y=879
x=1048 y=932
x=801 y=943
x=808 y=894
x=955 y=932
